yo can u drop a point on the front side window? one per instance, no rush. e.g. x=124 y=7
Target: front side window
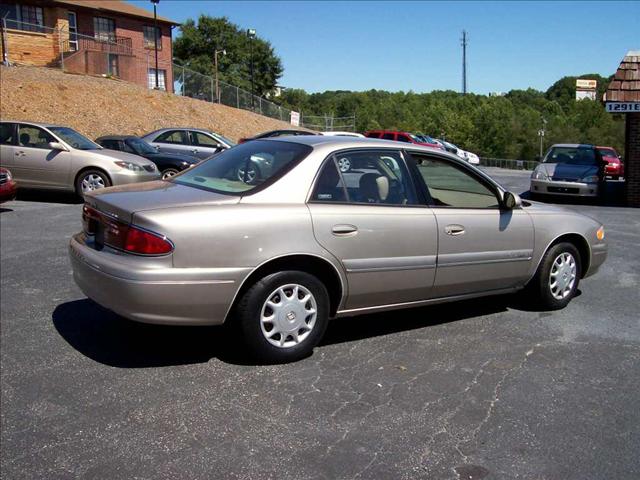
x=450 y=186
x=149 y=40
x=370 y=177
x=388 y=136
x=177 y=137
x=104 y=29
x=110 y=144
x=6 y=134
x=373 y=134
x=203 y=140
x=74 y=139
x=245 y=167
x=403 y=138
x=34 y=137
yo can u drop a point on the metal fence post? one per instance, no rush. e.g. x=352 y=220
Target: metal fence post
x=238 y=96
x=183 y=77
x=61 y=47
x=260 y=104
x=212 y=99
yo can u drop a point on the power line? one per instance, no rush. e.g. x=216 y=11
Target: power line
x=464 y=62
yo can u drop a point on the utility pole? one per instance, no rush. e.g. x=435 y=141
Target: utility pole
x=215 y=61
x=251 y=33
x=464 y=62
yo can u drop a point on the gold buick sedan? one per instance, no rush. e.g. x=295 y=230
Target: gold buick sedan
x=274 y=235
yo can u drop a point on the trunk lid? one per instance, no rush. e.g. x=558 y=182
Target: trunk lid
x=123 y=201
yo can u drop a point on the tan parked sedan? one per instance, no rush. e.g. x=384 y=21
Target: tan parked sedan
x=54 y=157
x=282 y=251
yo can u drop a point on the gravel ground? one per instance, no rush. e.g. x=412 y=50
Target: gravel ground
x=480 y=389
x=50 y=96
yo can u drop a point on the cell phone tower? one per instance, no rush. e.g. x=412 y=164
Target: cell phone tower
x=464 y=41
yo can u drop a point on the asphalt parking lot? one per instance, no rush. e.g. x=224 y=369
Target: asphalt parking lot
x=489 y=388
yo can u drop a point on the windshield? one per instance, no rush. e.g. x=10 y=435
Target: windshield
x=74 y=139
x=571 y=156
x=244 y=167
x=140 y=146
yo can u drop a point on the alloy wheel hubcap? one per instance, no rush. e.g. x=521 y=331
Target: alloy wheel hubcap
x=288 y=316
x=344 y=164
x=92 y=182
x=168 y=174
x=250 y=177
x=563 y=276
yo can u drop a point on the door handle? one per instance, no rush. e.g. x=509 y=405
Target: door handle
x=344 y=229
x=454 y=230
x=195 y=150
x=20 y=154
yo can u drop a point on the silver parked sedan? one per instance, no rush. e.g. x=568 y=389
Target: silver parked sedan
x=283 y=252
x=59 y=158
x=194 y=142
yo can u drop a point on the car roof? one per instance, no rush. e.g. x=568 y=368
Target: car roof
x=350 y=142
x=572 y=145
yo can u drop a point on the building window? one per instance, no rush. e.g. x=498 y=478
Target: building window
x=148 y=37
x=161 y=79
x=23 y=17
x=104 y=29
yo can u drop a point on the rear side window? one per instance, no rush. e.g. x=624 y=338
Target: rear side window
x=370 y=177
x=373 y=134
x=245 y=167
x=111 y=144
x=404 y=138
x=388 y=136
x=178 y=137
x=6 y=133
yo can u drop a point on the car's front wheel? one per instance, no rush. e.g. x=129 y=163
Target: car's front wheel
x=283 y=316
x=91 y=180
x=557 y=278
x=169 y=172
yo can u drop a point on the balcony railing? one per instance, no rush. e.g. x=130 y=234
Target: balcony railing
x=102 y=43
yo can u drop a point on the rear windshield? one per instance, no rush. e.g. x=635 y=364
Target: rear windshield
x=571 y=156
x=608 y=152
x=245 y=167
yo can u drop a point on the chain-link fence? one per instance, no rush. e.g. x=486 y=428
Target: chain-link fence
x=510 y=164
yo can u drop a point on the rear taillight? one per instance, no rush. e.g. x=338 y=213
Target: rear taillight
x=146 y=243
x=110 y=231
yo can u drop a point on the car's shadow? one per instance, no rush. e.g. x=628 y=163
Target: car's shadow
x=45 y=196
x=112 y=340
x=5 y=210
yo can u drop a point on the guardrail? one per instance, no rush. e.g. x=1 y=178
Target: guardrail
x=510 y=164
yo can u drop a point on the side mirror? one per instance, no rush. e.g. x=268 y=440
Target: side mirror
x=157 y=148
x=58 y=146
x=511 y=200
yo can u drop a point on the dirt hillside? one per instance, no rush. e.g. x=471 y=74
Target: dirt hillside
x=100 y=106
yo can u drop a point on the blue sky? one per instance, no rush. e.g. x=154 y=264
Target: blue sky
x=416 y=45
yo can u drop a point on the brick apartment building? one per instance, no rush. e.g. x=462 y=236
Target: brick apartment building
x=623 y=96
x=95 y=37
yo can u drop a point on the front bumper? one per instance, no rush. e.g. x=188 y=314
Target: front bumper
x=8 y=191
x=598 y=256
x=125 y=177
x=550 y=187
x=141 y=289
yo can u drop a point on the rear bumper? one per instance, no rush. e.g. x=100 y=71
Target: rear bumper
x=170 y=296
x=577 y=189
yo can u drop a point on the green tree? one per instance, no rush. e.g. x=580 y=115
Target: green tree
x=196 y=45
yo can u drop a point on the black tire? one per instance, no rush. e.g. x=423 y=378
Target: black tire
x=253 y=175
x=169 y=172
x=539 y=287
x=86 y=173
x=250 y=308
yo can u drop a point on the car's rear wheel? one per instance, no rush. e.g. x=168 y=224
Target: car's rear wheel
x=344 y=164
x=169 y=172
x=283 y=316
x=248 y=174
x=91 y=180
x=557 y=278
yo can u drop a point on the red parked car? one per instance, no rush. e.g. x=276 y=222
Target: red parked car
x=8 y=186
x=400 y=137
x=615 y=167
